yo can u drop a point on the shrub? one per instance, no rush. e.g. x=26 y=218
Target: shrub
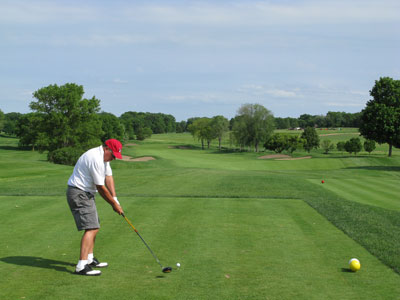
x=277 y=142
x=65 y=156
x=143 y=133
x=369 y=146
x=340 y=146
x=327 y=146
x=353 y=145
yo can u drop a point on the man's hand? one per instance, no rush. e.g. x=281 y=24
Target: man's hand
x=118 y=209
x=105 y=193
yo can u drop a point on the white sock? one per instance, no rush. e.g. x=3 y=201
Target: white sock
x=90 y=258
x=81 y=264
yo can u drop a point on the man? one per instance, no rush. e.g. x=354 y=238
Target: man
x=92 y=173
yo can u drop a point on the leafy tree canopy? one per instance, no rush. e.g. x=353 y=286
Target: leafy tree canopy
x=111 y=127
x=1 y=120
x=66 y=119
x=380 y=119
x=353 y=145
x=253 y=125
x=311 y=139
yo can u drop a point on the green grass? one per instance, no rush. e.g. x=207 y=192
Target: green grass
x=241 y=227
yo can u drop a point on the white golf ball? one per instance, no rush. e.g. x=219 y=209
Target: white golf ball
x=178 y=265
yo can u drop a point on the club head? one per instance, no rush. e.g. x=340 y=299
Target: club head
x=167 y=270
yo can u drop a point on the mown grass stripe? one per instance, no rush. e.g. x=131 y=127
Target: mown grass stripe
x=376 y=228
x=368 y=192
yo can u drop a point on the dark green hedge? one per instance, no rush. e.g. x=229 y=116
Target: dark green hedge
x=65 y=156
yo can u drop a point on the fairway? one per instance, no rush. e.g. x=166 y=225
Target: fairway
x=241 y=228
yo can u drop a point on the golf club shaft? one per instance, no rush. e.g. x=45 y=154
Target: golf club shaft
x=144 y=242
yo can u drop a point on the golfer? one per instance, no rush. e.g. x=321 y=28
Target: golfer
x=92 y=173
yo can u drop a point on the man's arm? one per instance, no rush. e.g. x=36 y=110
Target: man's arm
x=106 y=194
x=110 y=185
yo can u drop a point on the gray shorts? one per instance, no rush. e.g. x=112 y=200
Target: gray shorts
x=83 y=208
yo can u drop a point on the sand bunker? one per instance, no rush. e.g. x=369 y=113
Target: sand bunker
x=274 y=156
x=282 y=157
x=295 y=158
x=144 y=158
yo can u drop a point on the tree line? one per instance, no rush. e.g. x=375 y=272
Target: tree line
x=62 y=119
x=309 y=139
x=65 y=124
x=330 y=120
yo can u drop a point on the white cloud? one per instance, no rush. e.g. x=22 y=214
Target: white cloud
x=196 y=98
x=359 y=93
x=259 y=90
x=26 y=12
x=343 y=104
x=117 y=80
x=263 y=13
x=202 y=13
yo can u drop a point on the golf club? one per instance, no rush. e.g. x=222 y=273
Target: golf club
x=164 y=269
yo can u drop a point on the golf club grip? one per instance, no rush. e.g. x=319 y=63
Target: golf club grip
x=129 y=222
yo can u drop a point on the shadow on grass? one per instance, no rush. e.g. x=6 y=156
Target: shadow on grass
x=15 y=148
x=346 y=270
x=38 y=262
x=8 y=136
x=376 y=168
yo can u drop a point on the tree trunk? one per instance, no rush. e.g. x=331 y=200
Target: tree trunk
x=390 y=150
x=219 y=141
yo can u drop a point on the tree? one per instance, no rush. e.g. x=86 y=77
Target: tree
x=239 y=135
x=334 y=119
x=170 y=123
x=277 y=142
x=139 y=123
x=201 y=128
x=2 y=118
x=28 y=129
x=353 y=145
x=143 y=133
x=380 y=119
x=311 y=139
x=295 y=142
x=340 y=146
x=306 y=120
x=66 y=119
x=282 y=123
x=180 y=126
x=254 y=125
x=327 y=145
x=369 y=146
x=10 y=122
x=111 y=127
x=127 y=119
x=219 y=125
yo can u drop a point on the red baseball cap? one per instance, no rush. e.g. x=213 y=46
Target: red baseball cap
x=115 y=147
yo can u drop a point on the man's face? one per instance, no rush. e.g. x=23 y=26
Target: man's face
x=108 y=155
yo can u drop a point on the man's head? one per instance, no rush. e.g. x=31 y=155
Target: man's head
x=114 y=147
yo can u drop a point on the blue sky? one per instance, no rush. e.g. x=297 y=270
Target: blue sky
x=200 y=58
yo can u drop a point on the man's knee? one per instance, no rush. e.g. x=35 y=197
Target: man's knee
x=91 y=232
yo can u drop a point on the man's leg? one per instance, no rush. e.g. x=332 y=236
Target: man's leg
x=87 y=243
x=87 y=246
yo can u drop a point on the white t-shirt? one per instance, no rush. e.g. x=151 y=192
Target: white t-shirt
x=90 y=170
